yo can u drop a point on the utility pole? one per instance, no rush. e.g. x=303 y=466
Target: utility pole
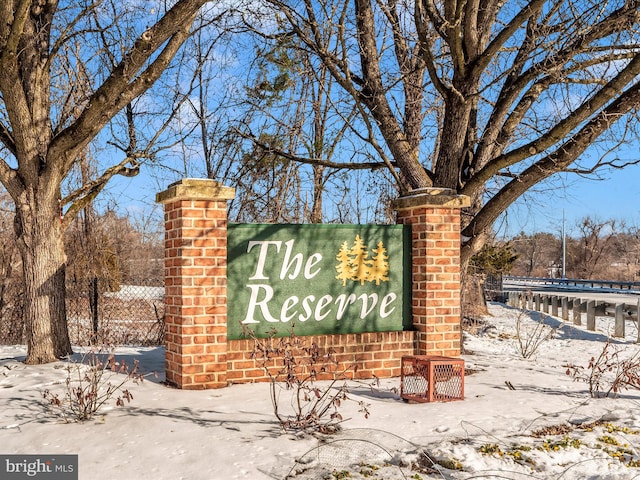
x=564 y=247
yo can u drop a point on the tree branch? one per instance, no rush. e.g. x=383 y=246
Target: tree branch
x=20 y=16
x=310 y=161
x=6 y=137
x=425 y=50
x=559 y=131
x=527 y=12
x=553 y=163
x=9 y=178
x=125 y=83
x=80 y=198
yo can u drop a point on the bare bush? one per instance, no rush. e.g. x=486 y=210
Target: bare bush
x=609 y=373
x=295 y=365
x=531 y=336
x=90 y=384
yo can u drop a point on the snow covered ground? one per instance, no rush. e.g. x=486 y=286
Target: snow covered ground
x=521 y=418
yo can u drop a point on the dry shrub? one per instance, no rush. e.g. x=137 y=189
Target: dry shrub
x=530 y=337
x=609 y=373
x=295 y=367
x=90 y=384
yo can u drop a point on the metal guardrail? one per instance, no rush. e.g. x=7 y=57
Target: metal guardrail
x=616 y=285
x=560 y=305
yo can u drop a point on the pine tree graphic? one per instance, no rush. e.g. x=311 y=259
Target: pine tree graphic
x=344 y=267
x=380 y=266
x=354 y=263
x=361 y=266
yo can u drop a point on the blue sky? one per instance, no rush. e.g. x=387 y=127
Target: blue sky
x=616 y=196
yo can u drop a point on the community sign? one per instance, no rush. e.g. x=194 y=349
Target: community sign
x=316 y=279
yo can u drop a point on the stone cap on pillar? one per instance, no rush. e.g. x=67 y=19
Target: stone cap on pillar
x=196 y=189
x=434 y=197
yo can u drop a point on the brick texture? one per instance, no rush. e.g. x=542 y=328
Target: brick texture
x=435 y=273
x=198 y=355
x=366 y=355
x=195 y=284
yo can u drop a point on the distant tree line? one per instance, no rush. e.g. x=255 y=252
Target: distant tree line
x=594 y=249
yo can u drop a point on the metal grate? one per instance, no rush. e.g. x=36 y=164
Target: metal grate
x=427 y=378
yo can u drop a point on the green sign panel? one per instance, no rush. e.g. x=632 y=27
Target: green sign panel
x=317 y=279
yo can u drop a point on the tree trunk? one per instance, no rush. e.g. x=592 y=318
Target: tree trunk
x=318 y=190
x=454 y=142
x=40 y=241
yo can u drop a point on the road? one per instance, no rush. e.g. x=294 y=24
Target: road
x=608 y=295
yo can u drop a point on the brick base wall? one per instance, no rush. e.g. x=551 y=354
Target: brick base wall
x=374 y=354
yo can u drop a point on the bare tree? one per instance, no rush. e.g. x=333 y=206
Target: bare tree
x=291 y=97
x=539 y=255
x=626 y=252
x=589 y=252
x=274 y=131
x=595 y=249
x=44 y=129
x=487 y=98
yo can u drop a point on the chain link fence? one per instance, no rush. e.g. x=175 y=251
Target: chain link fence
x=99 y=313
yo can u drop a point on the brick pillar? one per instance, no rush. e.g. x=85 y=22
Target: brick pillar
x=195 y=270
x=434 y=216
